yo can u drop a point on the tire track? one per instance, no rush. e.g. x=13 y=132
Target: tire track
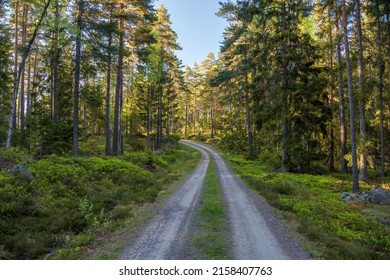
x=256 y=231
x=166 y=236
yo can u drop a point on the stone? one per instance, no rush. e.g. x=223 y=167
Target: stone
x=349 y=196
x=379 y=196
x=22 y=171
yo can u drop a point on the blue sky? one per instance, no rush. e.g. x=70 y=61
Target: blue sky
x=199 y=29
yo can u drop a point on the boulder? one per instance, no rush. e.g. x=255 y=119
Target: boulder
x=379 y=196
x=349 y=196
x=22 y=171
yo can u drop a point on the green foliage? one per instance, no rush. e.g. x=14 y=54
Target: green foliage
x=234 y=142
x=72 y=200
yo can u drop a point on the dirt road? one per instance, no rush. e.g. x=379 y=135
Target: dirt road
x=166 y=235
x=256 y=231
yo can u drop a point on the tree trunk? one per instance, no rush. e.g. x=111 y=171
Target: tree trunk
x=251 y=151
x=355 y=178
x=119 y=85
x=121 y=140
x=382 y=117
x=331 y=92
x=212 y=116
x=28 y=103
x=55 y=64
x=343 y=127
x=363 y=176
x=108 y=89
x=284 y=98
x=35 y=74
x=77 y=78
x=16 y=54
x=186 y=121
x=149 y=125
x=18 y=76
x=22 y=82
x=159 y=137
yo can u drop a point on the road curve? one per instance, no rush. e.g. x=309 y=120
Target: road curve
x=165 y=236
x=256 y=231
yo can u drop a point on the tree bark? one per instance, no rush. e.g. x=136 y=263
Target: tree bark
x=119 y=85
x=149 y=124
x=34 y=80
x=16 y=54
x=121 y=126
x=159 y=137
x=343 y=127
x=212 y=115
x=381 y=109
x=77 y=78
x=22 y=82
x=331 y=93
x=355 y=178
x=108 y=89
x=363 y=176
x=56 y=57
x=284 y=97
x=248 y=119
x=18 y=76
x=28 y=102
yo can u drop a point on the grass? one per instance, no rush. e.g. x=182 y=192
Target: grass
x=312 y=207
x=74 y=202
x=210 y=238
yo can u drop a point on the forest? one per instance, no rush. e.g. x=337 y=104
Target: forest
x=94 y=87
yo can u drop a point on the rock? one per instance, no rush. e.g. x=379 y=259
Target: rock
x=22 y=171
x=348 y=197
x=379 y=196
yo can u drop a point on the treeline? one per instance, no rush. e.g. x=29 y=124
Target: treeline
x=71 y=69
x=303 y=82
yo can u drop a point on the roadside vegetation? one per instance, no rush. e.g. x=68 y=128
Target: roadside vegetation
x=311 y=206
x=73 y=201
x=212 y=237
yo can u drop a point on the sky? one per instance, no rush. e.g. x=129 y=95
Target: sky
x=199 y=30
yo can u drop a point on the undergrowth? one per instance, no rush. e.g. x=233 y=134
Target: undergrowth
x=71 y=201
x=311 y=203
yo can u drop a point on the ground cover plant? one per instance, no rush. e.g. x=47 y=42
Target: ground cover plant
x=71 y=201
x=211 y=237
x=311 y=205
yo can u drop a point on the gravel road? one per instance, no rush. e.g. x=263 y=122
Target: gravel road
x=167 y=235
x=256 y=231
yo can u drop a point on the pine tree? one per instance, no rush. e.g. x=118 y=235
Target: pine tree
x=355 y=178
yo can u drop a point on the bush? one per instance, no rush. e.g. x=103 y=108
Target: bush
x=71 y=200
x=235 y=143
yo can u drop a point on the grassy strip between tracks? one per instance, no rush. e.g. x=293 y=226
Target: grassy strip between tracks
x=211 y=238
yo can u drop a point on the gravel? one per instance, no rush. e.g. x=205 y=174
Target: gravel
x=167 y=235
x=256 y=231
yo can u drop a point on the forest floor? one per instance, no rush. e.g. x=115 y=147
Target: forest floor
x=84 y=207
x=145 y=205
x=253 y=229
